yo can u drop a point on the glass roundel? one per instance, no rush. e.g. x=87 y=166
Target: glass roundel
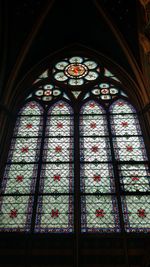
x=47 y=92
x=76 y=71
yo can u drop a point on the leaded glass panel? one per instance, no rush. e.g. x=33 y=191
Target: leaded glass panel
x=28 y=126
x=55 y=207
x=93 y=125
x=54 y=214
x=19 y=179
x=133 y=171
x=97 y=178
x=94 y=149
x=134 y=177
x=60 y=126
x=99 y=214
x=58 y=149
x=20 y=174
x=126 y=124
x=15 y=213
x=76 y=70
x=24 y=150
x=92 y=108
x=136 y=212
x=39 y=173
x=130 y=148
x=31 y=108
x=121 y=107
x=56 y=178
x=60 y=108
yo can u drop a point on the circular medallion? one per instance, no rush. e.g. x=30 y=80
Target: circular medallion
x=105 y=91
x=96 y=91
x=76 y=70
x=48 y=92
x=39 y=93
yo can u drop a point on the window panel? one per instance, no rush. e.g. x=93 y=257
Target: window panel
x=19 y=179
x=15 y=213
x=24 y=150
x=93 y=125
x=95 y=149
x=136 y=211
x=97 y=178
x=126 y=124
x=134 y=178
x=129 y=148
x=60 y=108
x=58 y=149
x=130 y=152
x=99 y=214
x=56 y=178
x=55 y=207
x=54 y=214
x=121 y=107
x=60 y=126
x=21 y=171
x=28 y=126
x=92 y=108
x=31 y=108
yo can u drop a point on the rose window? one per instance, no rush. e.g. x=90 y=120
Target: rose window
x=47 y=92
x=76 y=71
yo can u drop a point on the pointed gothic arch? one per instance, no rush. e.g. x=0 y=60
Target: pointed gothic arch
x=76 y=79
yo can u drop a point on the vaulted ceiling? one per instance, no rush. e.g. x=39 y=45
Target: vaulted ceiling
x=65 y=23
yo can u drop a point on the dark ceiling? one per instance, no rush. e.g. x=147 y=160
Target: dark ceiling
x=67 y=22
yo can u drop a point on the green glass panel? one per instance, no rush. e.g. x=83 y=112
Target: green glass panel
x=54 y=214
x=56 y=178
x=99 y=214
x=136 y=211
x=15 y=213
x=19 y=179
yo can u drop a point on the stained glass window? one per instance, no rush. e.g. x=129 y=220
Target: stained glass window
x=39 y=172
x=76 y=70
x=37 y=189
x=99 y=211
x=55 y=200
x=18 y=184
x=131 y=156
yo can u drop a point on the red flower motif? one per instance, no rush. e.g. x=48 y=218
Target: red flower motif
x=32 y=106
x=13 y=213
x=61 y=105
x=105 y=91
x=94 y=149
x=54 y=213
x=29 y=126
x=120 y=104
x=48 y=92
x=93 y=125
x=135 y=178
x=92 y=105
x=100 y=213
x=97 y=178
x=141 y=213
x=19 y=178
x=124 y=124
x=57 y=177
x=129 y=148
x=24 y=149
x=59 y=125
x=58 y=149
